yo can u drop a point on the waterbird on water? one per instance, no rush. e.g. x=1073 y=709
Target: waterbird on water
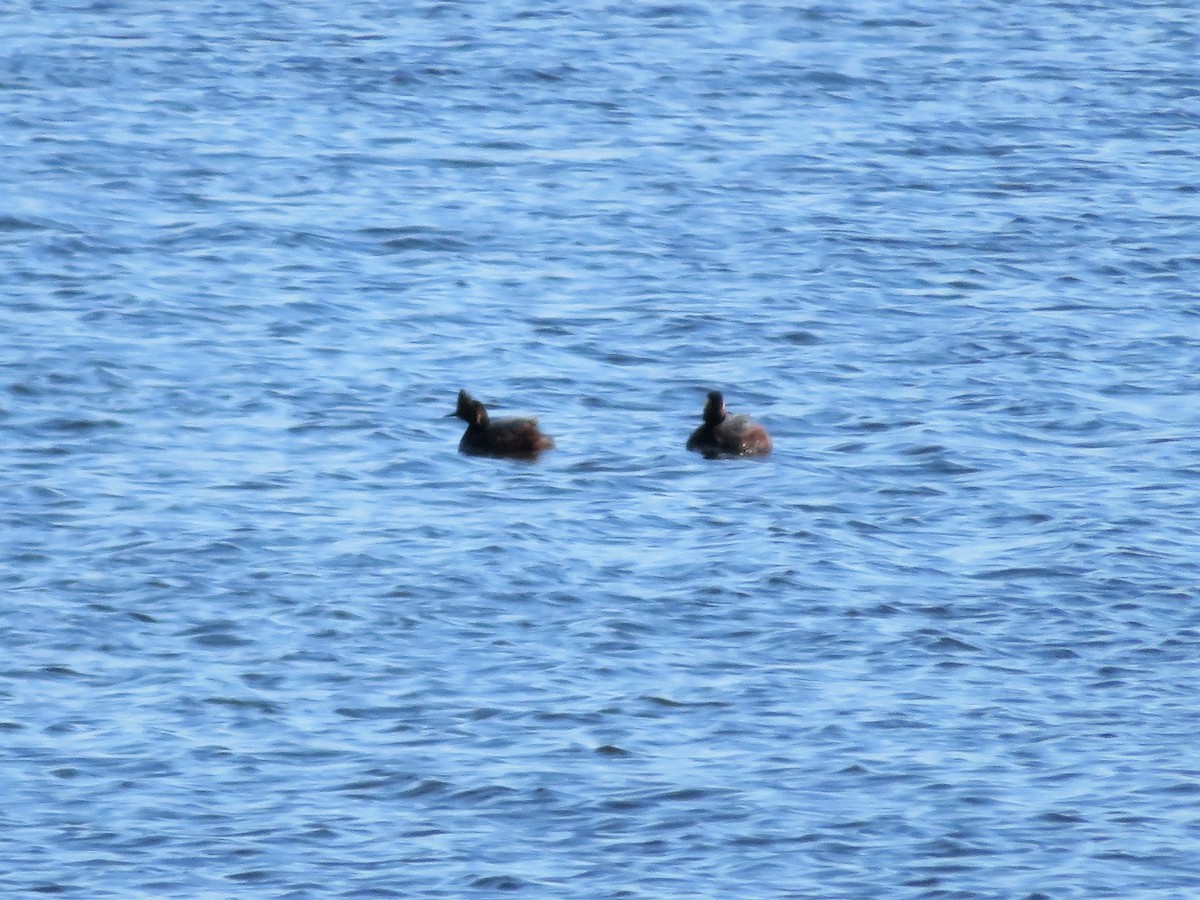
x=723 y=435
x=511 y=438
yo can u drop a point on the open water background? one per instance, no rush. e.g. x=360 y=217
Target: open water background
x=266 y=634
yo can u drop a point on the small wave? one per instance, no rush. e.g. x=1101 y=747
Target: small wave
x=13 y=223
x=80 y=424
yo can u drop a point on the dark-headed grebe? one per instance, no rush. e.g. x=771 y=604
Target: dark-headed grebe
x=512 y=438
x=726 y=435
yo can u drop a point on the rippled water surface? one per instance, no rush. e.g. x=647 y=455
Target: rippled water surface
x=267 y=634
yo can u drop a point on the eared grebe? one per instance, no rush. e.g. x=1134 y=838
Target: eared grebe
x=725 y=435
x=513 y=438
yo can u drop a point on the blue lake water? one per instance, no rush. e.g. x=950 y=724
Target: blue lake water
x=266 y=634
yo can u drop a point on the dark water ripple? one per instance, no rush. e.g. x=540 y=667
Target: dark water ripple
x=268 y=635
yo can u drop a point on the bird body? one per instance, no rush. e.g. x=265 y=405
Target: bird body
x=513 y=438
x=723 y=435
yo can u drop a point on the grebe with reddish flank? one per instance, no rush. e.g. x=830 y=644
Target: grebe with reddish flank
x=724 y=435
